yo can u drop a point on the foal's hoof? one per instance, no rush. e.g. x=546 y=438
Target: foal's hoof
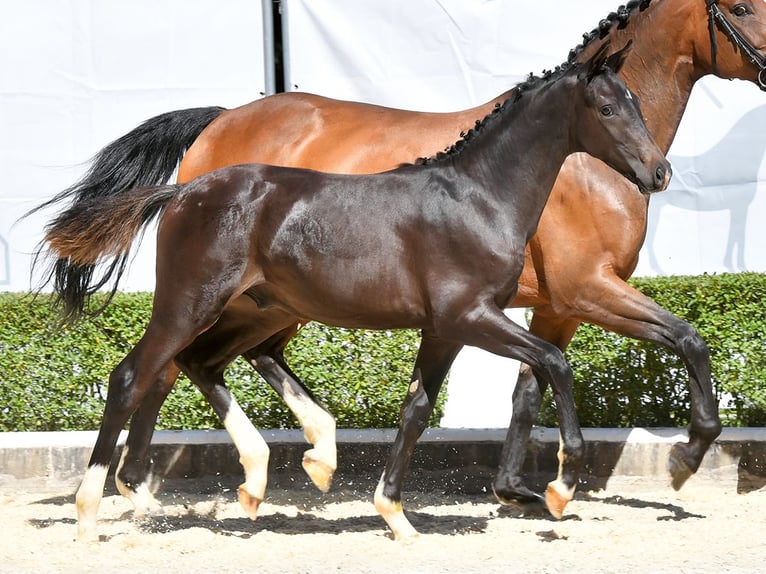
x=557 y=496
x=319 y=472
x=249 y=502
x=87 y=533
x=679 y=469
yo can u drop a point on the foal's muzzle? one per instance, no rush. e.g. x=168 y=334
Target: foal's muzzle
x=660 y=179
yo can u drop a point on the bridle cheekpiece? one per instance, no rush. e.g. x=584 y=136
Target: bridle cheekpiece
x=716 y=16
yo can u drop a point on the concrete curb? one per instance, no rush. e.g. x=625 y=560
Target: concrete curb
x=445 y=459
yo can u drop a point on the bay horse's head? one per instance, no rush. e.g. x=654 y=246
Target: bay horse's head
x=610 y=126
x=733 y=43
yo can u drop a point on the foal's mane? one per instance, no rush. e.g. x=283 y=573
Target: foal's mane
x=466 y=137
x=619 y=19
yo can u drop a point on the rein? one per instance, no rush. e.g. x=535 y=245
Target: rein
x=715 y=15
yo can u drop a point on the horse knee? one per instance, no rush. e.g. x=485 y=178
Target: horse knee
x=691 y=344
x=527 y=394
x=554 y=367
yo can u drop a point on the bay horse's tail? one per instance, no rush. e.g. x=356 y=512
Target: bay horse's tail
x=145 y=156
x=93 y=233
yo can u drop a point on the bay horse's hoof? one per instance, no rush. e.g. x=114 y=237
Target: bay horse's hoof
x=318 y=471
x=679 y=469
x=249 y=502
x=530 y=504
x=557 y=496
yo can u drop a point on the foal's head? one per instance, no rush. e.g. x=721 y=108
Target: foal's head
x=609 y=124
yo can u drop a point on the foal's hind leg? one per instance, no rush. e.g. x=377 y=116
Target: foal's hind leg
x=148 y=362
x=205 y=360
x=321 y=461
x=133 y=475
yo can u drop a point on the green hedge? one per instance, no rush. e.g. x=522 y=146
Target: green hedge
x=55 y=379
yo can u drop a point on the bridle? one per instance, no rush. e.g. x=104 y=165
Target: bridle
x=715 y=15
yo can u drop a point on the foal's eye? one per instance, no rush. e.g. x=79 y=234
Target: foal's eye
x=740 y=10
x=607 y=111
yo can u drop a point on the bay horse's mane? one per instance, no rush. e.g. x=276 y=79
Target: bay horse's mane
x=618 y=18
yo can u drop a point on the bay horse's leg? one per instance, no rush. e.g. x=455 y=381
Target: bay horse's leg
x=321 y=461
x=252 y=448
x=435 y=356
x=133 y=475
x=626 y=311
x=508 y=485
x=241 y=330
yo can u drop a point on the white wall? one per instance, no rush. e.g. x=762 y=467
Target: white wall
x=76 y=74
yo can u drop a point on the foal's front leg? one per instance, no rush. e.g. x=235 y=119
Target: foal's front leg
x=435 y=356
x=491 y=330
x=508 y=485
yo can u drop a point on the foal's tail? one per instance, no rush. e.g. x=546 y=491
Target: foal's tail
x=97 y=232
x=146 y=156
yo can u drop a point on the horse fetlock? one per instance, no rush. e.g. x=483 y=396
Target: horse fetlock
x=319 y=468
x=557 y=496
x=681 y=465
x=249 y=501
x=392 y=512
x=140 y=495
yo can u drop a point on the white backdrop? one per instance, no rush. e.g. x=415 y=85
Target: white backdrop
x=76 y=74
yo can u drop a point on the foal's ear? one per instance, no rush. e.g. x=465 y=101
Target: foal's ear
x=616 y=60
x=600 y=61
x=597 y=61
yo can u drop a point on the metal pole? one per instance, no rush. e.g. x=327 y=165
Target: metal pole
x=270 y=85
x=286 y=72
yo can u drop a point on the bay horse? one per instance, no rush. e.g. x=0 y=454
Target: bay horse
x=437 y=246
x=675 y=42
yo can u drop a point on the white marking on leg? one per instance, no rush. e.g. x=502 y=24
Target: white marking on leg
x=318 y=425
x=253 y=455
x=393 y=514
x=558 y=494
x=139 y=494
x=87 y=499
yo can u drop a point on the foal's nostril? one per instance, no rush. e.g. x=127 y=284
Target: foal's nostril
x=659 y=174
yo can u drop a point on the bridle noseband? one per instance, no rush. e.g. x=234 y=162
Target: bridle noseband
x=715 y=15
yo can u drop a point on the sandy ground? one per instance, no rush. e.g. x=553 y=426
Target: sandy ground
x=704 y=528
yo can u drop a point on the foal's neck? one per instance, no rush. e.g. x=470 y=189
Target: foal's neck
x=521 y=151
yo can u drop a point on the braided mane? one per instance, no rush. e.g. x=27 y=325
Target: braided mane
x=531 y=82
x=618 y=18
